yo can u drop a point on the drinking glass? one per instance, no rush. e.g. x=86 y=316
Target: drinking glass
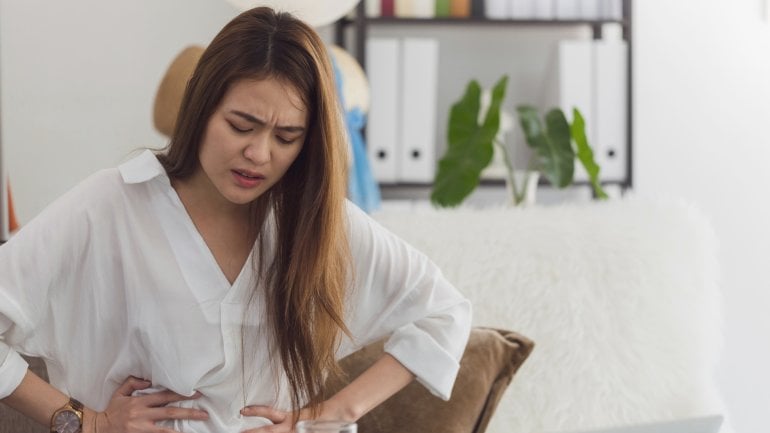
x=316 y=426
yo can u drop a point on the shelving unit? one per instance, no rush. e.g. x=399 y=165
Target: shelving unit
x=361 y=24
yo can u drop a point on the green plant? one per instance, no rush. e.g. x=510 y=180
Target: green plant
x=471 y=146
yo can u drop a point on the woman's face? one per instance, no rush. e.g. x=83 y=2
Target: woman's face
x=252 y=138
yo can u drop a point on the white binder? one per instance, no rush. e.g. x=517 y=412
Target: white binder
x=522 y=9
x=544 y=10
x=590 y=9
x=611 y=108
x=497 y=9
x=423 y=8
x=571 y=85
x=612 y=9
x=403 y=8
x=382 y=130
x=373 y=8
x=567 y=9
x=418 y=109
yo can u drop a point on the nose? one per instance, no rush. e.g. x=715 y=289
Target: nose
x=258 y=149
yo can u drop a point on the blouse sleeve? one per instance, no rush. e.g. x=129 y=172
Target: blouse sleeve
x=45 y=252
x=398 y=291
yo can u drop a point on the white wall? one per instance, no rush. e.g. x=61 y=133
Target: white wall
x=702 y=83
x=78 y=80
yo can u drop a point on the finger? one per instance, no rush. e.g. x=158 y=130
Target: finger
x=162 y=398
x=268 y=412
x=164 y=413
x=165 y=430
x=130 y=385
x=277 y=428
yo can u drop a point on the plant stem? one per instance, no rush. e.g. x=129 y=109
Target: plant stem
x=531 y=168
x=511 y=179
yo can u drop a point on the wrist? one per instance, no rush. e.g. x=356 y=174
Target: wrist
x=90 y=418
x=340 y=410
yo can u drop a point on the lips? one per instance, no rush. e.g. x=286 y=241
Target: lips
x=249 y=174
x=247 y=179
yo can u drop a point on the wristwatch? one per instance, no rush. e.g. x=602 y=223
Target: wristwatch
x=68 y=419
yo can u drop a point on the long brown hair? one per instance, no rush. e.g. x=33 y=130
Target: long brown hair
x=305 y=279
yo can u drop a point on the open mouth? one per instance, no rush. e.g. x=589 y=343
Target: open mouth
x=249 y=176
x=247 y=179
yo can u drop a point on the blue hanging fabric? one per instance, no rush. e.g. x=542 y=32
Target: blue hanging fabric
x=362 y=187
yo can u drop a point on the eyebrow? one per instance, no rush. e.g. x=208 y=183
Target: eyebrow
x=253 y=119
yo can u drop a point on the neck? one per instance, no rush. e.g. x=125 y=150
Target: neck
x=200 y=197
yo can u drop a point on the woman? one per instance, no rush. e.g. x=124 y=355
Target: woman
x=212 y=287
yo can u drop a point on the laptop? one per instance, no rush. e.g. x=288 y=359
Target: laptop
x=704 y=424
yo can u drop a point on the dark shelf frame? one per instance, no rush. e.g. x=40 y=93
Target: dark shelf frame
x=495 y=182
x=360 y=22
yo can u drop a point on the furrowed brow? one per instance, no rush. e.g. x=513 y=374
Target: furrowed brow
x=250 y=118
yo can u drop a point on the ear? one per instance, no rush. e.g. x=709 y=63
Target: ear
x=168 y=98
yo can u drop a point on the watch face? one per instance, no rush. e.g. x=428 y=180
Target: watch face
x=66 y=421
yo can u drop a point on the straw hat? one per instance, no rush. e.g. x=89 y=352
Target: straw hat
x=171 y=90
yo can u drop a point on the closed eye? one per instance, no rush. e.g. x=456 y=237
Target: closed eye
x=286 y=140
x=237 y=129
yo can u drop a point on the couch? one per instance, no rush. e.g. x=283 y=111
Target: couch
x=621 y=298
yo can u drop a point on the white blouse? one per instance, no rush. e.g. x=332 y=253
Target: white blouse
x=113 y=279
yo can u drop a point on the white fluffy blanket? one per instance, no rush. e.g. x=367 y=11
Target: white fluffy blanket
x=621 y=299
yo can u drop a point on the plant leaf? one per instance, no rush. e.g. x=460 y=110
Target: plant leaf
x=470 y=145
x=585 y=154
x=530 y=124
x=533 y=128
x=559 y=161
x=552 y=146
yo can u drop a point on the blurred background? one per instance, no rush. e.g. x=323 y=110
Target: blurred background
x=78 y=78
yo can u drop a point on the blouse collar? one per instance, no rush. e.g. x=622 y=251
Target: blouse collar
x=141 y=168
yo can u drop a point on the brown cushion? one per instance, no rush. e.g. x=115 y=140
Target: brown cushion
x=486 y=369
x=14 y=422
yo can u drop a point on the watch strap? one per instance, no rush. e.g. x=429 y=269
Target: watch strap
x=78 y=406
